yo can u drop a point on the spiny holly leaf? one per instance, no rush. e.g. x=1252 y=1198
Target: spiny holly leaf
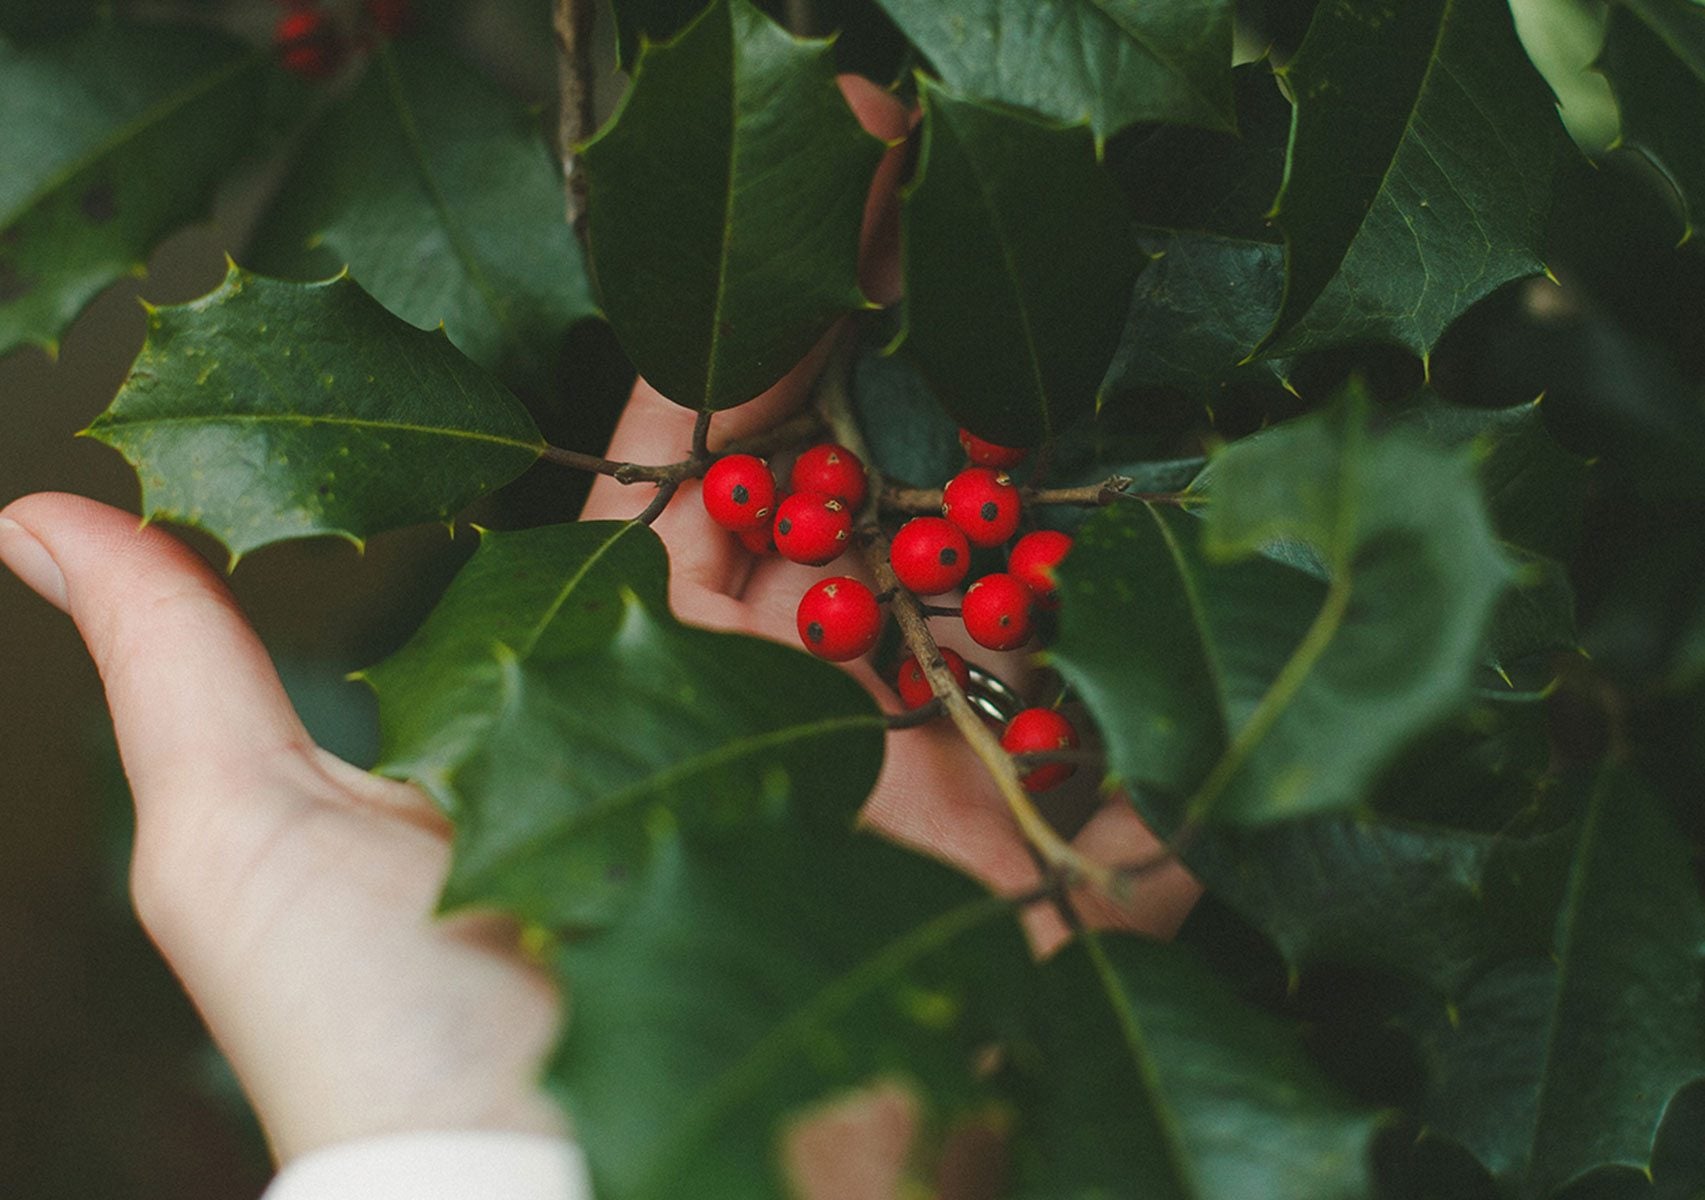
x=549 y=591
x=1151 y=1081
x=661 y=722
x=762 y=973
x=111 y=140
x=1554 y=1065
x=1019 y=261
x=1111 y=62
x=1216 y=277
x=910 y=435
x=268 y=410
x=437 y=192
x=1223 y=674
x=1654 y=57
x=649 y=20
x=1419 y=174
x=724 y=207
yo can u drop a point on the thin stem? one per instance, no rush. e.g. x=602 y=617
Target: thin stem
x=792 y=432
x=659 y=502
x=913 y=717
x=574 y=21
x=938 y=610
x=1095 y=495
x=701 y=437
x=1057 y=857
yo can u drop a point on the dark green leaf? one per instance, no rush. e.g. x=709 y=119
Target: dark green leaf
x=1150 y=1081
x=1419 y=174
x=437 y=192
x=268 y=410
x=1111 y=62
x=1019 y=261
x=1654 y=57
x=109 y=142
x=724 y=207
x=549 y=591
x=649 y=20
x=1554 y=1065
x=1216 y=671
x=911 y=437
x=1213 y=288
x=763 y=972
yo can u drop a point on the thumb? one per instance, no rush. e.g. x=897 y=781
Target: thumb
x=196 y=703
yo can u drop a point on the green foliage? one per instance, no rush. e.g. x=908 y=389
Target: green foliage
x=1110 y=62
x=1329 y=640
x=725 y=201
x=1019 y=258
x=270 y=410
x=1240 y=681
x=111 y=139
x=436 y=191
x=1418 y=176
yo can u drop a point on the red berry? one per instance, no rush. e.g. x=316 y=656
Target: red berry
x=760 y=541
x=390 y=17
x=987 y=454
x=1033 y=560
x=996 y=611
x=308 y=44
x=930 y=556
x=812 y=528
x=739 y=492
x=838 y=619
x=834 y=471
x=983 y=503
x=914 y=689
x=1037 y=730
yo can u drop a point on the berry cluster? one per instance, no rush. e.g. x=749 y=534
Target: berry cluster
x=811 y=521
x=311 y=44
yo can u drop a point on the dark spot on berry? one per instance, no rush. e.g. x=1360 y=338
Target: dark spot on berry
x=948 y=556
x=99 y=203
x=784 y=527
x=814 y=631
x=990 y=510
x=740 y=494
x=325 y=489
x=1004 y=620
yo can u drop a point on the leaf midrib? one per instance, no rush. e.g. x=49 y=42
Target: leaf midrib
x=109 y=422
x=772 y=1051
x=134 y=128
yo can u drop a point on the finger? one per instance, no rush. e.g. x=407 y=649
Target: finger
x=882 y=114
x=194 y=696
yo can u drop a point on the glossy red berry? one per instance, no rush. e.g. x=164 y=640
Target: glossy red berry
x=812 y=528
x=988 y=454
x=914 y=689
x=390 y=17
x=838 y=619
x=1038 y=730
x=930 y=555
x=1033 y=559
x=308 y=43
x=984 y=504
x=996 y=611
x=834 y=471
x=760 y=541
x=739 y=492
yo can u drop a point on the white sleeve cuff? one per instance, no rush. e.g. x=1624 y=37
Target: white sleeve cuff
x=461 y=1165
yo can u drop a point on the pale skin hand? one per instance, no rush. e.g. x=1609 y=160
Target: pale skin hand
x=293 y=893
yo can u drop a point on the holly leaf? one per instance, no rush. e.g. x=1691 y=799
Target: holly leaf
x=715 y=728
x=1145 y=1078
x=1247 y=684
x=549 y=591
x=1216 y=275
x=1557 y=1064
x=762 y=974
x=1419 y=172
x=640 y=21
x=1110 y=62
x=268 y=410
x=1654 y=58
x=1019 y=260
x=438 y=193
x=112 y=139
x=910 y=435
x=724 y=206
